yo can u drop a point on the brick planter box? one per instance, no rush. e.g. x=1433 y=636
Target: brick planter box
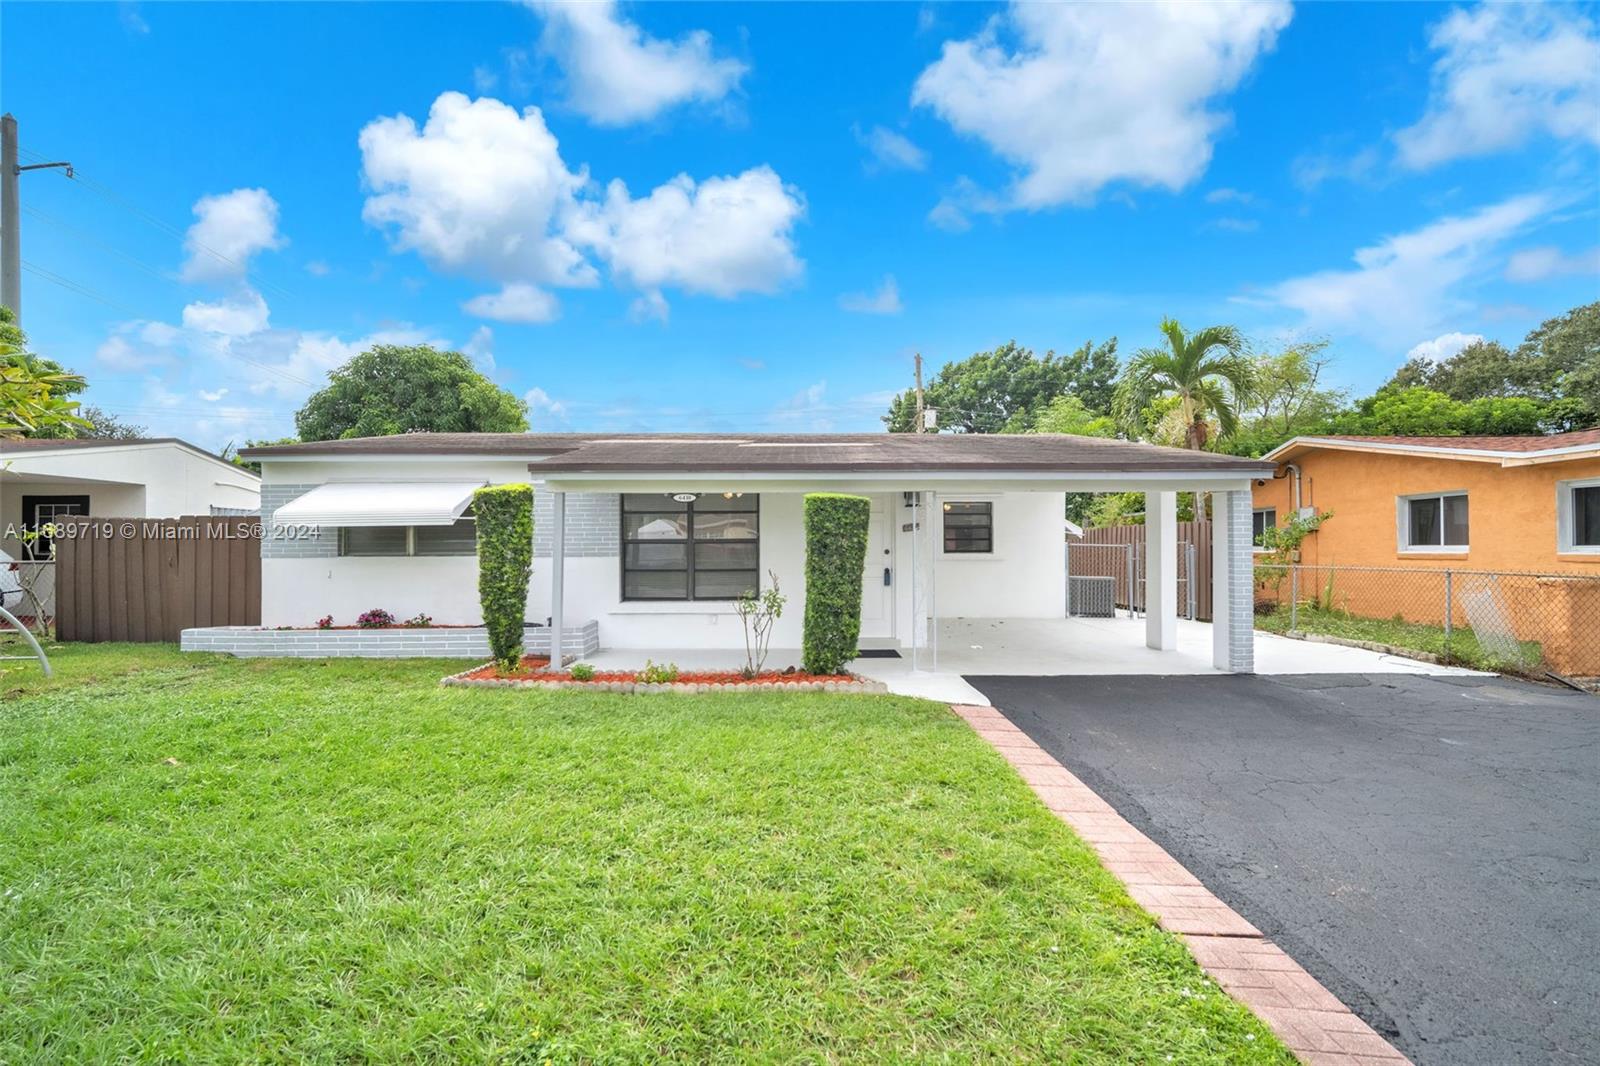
x=436 y=642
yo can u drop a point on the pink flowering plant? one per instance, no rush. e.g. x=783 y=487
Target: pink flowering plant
x=377 y=618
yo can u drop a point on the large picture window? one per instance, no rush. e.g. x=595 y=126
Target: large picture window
x=969 y=528
x=704 y=548
x=1434 y=523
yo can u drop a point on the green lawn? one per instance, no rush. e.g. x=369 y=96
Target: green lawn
x=1461 y=648
x=203 y=859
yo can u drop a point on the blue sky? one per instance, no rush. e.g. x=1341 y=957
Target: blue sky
x=721 y=216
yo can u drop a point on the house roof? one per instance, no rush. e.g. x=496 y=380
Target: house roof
x=45 y=445
x=1508 y=451
x=607 y=453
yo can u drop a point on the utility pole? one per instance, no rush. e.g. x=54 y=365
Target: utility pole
x=919 y=423
x=11 y=215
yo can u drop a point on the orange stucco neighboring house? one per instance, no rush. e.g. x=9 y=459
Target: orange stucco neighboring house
x=1475 y=506
x=1484 y=503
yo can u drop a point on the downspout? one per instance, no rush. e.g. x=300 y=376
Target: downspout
x=1292 y=470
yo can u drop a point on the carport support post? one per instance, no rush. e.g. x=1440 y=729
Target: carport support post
x=1232 y=584
x=1161 y=570
x=558 y=566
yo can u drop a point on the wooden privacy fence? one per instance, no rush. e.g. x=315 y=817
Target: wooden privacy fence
x=1104 y=552
x=147 y=579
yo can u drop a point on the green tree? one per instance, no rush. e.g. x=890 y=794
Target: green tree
x=1287 y=399
x=254 y=466
x=1002 y=391
x=1068 y=414
x=393 y=389
x=35 y=392
x=1567 y=350
x=1414 y=412
x=1206 y=373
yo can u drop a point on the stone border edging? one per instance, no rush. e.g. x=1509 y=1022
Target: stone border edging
x=1309 y=1019
x=859 y=686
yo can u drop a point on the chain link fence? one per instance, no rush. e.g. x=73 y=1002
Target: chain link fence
x=1512 y=621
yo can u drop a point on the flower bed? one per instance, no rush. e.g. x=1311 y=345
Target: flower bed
x=535 y=672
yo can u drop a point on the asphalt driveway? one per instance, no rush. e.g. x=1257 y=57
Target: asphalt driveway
x=1427 y=847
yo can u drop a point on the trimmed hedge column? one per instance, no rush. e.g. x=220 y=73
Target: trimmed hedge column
x=836 y=553
x=505 y=560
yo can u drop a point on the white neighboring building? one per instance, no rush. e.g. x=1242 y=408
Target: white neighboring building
x=660 y=532
x=159 y=477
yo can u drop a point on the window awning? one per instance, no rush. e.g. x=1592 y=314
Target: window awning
x=380 y=503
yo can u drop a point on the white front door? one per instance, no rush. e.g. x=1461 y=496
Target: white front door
x=877 y=597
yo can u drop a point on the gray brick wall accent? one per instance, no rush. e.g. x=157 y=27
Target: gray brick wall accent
x=250 y=642
x=1240 y=616
x=279 y=543
x=593 y=524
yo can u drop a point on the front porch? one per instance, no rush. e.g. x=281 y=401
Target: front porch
x=1032 y=647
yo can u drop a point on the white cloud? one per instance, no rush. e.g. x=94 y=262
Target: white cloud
x=1234 y=225
x=1229 y=196
x=229 y=229
x=721 y=236
x=649 y=306
x=318 y=269
x=1540 y=264
x=1311 y=169
x=886 y=301
x=212 y=395
x=484 y=80
x=890 y=150
x=1093 y=94
x=159 y=334
x=616 y=74
x=1443 y=346
x=540 y=401
x=482 y=190
x=238 y=315
x=479 y=189
x=515 y=302
x=115 y=353
x=1506 y=73
x=1405 y=285
x=480 y=349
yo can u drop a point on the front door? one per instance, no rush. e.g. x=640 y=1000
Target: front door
x=877 y=598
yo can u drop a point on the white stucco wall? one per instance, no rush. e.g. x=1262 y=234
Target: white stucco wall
x=159 y=479
x=1024 y=578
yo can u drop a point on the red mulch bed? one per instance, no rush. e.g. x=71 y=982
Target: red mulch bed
x=535 y=668
x=365 y=629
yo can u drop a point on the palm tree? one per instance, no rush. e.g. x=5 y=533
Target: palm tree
x=1207 y=373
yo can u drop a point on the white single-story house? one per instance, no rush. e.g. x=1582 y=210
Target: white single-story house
x=650 y=538
x=158 y=477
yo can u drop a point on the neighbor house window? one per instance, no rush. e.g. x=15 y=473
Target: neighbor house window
x=1261 y=520
x=1578 y=515
x=459 y=538
x=1434 y=523
x=707 y=547
x=39 y=512
x=969 y=528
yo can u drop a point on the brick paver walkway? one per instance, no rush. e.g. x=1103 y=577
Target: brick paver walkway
x=1316 y=1026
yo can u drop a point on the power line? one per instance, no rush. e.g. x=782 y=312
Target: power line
x=117 y=199
x=216 y=346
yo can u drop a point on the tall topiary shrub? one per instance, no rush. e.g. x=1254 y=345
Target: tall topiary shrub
x=505 y=559
x=836 y=553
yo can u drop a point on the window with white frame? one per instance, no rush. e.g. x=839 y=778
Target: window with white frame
x=1578 y=515
x=1261 y=520
x=1435 y=522
x=458 y=538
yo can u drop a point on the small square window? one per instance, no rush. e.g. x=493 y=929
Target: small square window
x=969 y=528
x=1261 y=520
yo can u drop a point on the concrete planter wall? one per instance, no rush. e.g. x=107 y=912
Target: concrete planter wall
x=249 y=642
